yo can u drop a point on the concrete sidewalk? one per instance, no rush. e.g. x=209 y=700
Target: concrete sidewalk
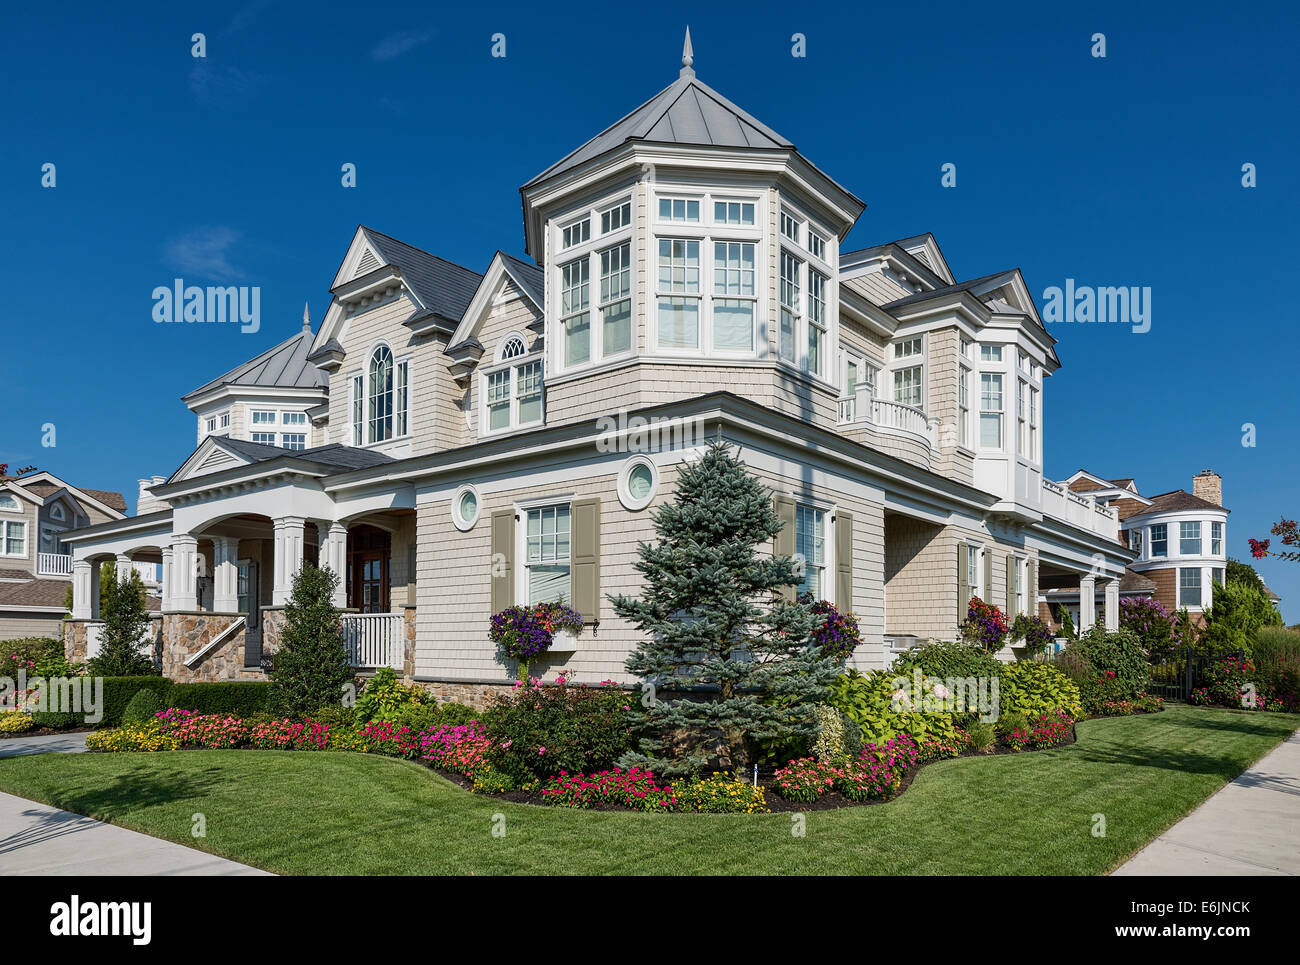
x=40 y=840
x=48 y=744
x=1250 y=827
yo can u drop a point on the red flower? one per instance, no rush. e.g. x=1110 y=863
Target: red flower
x=1259 y=548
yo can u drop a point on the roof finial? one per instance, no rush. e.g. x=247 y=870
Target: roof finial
x=306 y=319
x=688 y=55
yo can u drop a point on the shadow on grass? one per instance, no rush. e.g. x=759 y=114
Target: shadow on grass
x=135 y=790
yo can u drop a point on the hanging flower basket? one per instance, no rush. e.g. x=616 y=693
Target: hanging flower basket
x=526 y=632
x=839 y=636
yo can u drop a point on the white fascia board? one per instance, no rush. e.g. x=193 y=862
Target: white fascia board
x=481 y=304
x=221 y=396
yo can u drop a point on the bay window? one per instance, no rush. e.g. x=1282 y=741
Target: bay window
x=790 y=303
x=963 y=406
x=1189 y=586
x=1159 y=540
x=575 y=318
x=816 y=321
x=679 y=294
x=1189 y=539
x=594 y=323
x=1216 y=539
x=1033 y=425
x=991 y=410
x=616 y=299
x=1022 y=417
x=546 y=554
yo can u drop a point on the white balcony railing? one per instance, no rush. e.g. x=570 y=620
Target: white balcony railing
x=1070 y=507
x=375 y=639
x=53 y=564
x=896 y=415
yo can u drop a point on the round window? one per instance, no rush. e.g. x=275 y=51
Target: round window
x=637 y=483
x=464 y=507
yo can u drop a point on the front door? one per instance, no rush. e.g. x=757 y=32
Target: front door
x=369 y=559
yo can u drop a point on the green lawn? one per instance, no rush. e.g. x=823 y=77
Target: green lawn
x=337 y=813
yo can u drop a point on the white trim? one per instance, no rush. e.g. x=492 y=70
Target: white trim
x=460 y=522
x=629 y=501
x=216 y=641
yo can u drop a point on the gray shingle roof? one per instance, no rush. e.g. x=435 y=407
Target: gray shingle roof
x=688 y=111
x=332 y=456
x=1177 y=500
x=443 y=287
x=946 y=290
x=529 y=276
x=282 y=366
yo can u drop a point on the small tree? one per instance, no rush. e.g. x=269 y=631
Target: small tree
x=311 y=665
x=125 y=630
x=725 y=661
x=1238 y=612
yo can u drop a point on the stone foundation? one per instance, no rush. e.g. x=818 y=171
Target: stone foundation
x=478 y=696
x=185 y=634
x=408 y=657
x=75 y=641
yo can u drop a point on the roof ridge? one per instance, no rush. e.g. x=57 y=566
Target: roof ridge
x=423 y=251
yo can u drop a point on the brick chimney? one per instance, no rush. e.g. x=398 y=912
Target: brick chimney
x=1208 y=485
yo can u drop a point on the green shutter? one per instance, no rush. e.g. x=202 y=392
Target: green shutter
x=844 y=561
x=585 y=557
x=963 y=583
x=1011 y=585
x=503 y=559
x=783 y=544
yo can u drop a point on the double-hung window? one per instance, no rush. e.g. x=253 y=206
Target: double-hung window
x=1216 y=539
x=810 y=546
x=1020 y=567
x=733 y=296
x=616 y=299
x=14 y=532
x=790 y=298
x=575 y=313
x=963 y=405
x=1022 y=418
x=358 y=409
x=816 y=321
x=991 y=410
x=1189 y=586
x=1135 y=541
x=546 y=554
x=1189 y=539
x=1032 y=453
x=908 y=380
x=512 y=392
x=973 y=581
x=679 y=294
x=1160 y=540
x=293 y=440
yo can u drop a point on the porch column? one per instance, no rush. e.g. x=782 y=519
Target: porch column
x=82 y=598
x=333 y=540
x=94 y=590
x=185 y=572
x=225 y=574
x=1112 y=604
x=289 y=541
x=165 y=589
x=124 y=567
x=1087 y=602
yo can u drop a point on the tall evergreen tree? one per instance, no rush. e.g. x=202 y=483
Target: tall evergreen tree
x=311 y=665
x=724 y=660
x=124 y=635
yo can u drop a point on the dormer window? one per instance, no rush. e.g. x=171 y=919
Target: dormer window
x=512 y=387
x=56 y=511
x=379 y=399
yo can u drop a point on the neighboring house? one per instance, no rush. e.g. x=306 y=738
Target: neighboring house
x=1179 y=539
x=37 y=513
x=488 y=439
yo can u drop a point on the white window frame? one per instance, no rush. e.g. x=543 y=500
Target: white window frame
x=1022 y=583
x=522 y=512
x=625 y=495
x=826 y=567
x=598 y=241
x=269 y=440
x=1200 y=584
x=1152 y=538
x=1135 y=540
x=901 y=361
x=1216 y=537
x=964 y=372
x=457 y=517
x=359 y=381
x=510 y=363
x=6 y=527
x=254 y=420
x=1183 y=526
x=17 y=506
x=285 y=442
x=1000 y=411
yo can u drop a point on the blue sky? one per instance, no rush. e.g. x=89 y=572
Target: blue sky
x=1117 y=171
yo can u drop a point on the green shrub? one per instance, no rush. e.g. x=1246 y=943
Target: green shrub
x=384 y=694
x=142 y=707
x=238 y=697
x=944 y=659
x=541 y=731
x=336 y=717
x=453 y=714
x=1272 y=643
x=1236 y=616
x=1031 y=689
x=417 y=717
x=27 y=653
x=1008 y=722
x=981 y=736
x=310 y=669
x=15 y=722
x=868 y=700
x=1120 y=652
x=118 y=692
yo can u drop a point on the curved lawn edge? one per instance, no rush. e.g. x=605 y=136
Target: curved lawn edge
x=343 y=813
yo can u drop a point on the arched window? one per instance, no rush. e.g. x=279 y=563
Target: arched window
x=512 y=388
x=383 y=386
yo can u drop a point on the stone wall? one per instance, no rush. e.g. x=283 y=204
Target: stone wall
x=186 y=634
x=74 y=639
x=408 y=655
x=272 y=630
x=478 y=696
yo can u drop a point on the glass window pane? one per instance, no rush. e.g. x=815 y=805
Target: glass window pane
x=733 y=325
x=679 y=323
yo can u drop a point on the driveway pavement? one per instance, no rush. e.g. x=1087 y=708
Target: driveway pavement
x=1250 y=827
x=61 y=743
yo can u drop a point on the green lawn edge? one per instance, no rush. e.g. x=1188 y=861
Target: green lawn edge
x=343 y=813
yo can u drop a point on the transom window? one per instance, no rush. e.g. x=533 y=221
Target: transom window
x=685 y=210
x=294 y=418
x=1159 y=540
x=790 y=226
x=263 y=417
x=1189 y=586
x=810 y=546
x=816 y=245
x=619 y=216
x=1189 y=539
x=990 y=353
x=8 y=502
x=546 y=554
x=379 y=399
x=576 y=233
x=991 y=410
x=733 y=212
x=907 y=348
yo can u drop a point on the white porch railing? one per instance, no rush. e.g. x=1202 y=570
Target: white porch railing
x=375 y=639
x=896 y=415
x=53 y=564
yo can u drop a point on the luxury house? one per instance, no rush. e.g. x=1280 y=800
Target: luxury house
x=1178 y=538
x=38 y=511
x=455 y=442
